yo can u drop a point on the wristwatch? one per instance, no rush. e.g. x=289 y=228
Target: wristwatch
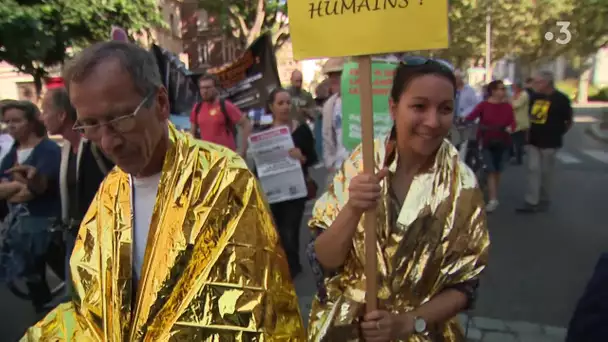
x=419 y=325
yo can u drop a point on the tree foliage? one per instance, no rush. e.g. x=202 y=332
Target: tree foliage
x=36 y=35
x=519 y=28
x=245 y=20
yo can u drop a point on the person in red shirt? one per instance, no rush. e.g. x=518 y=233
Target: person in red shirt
x=215 y=120
x=496 y=120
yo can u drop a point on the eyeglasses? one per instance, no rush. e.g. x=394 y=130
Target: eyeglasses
x=419 y=60
x=121 y=124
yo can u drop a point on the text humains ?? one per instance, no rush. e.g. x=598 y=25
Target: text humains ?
x=325 y=8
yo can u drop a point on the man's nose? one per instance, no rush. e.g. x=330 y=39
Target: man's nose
x=108 y=139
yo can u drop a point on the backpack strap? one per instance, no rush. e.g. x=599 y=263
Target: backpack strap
x=230 y=126
x=197 y=107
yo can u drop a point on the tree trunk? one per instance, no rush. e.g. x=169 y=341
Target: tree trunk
x=38 y=76
x=258 y=23
x=583 y=85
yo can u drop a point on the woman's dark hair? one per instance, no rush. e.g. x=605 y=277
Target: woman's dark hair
x=493 y=86
x=273 y=96
x=30 y=112
x=405 y=74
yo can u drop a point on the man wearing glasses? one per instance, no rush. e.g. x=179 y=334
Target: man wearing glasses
x=77 y=188
x=178 y=242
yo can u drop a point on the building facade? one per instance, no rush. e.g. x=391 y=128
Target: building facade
x=203 y=39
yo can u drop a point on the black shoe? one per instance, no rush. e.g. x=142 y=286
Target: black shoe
x=528 y=208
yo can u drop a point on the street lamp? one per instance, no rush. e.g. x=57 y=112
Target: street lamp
x=488 y=43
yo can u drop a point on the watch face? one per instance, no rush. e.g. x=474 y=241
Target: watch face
x=420 y=325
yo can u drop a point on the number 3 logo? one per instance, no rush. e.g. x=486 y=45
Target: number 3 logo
x=563 y=29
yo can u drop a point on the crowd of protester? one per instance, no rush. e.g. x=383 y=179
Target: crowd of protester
x=48 y=188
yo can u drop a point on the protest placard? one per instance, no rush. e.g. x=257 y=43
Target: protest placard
x=248 y=80
x=382 y=79
x=280 y=176
x=335 y=28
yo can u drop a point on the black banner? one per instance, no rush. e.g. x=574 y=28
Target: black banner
x=181 y=88
x=247 y=81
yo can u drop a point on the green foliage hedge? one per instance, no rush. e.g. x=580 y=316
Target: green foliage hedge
x=570 y=88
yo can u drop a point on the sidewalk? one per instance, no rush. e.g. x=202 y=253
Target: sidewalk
x=482 y=329
x=599 y=130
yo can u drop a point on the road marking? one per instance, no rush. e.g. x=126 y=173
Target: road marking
x=601 y=156
x=567 y=158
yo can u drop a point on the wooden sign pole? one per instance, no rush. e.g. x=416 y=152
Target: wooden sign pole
x=369 y=219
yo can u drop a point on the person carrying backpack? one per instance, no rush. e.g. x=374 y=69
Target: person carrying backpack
x=216 y=120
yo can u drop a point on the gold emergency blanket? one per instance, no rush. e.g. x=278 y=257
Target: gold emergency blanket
x=213 y=269
x=442 y=240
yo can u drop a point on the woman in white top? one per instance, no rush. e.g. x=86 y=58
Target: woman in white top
x=26 y=235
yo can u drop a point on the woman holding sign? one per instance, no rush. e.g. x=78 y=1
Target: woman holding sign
x=431 y=227
x=288 y=214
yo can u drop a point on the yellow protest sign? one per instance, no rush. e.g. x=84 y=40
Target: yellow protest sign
x=334 y=28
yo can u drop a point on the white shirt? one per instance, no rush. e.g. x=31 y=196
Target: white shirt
x=23 y=154
x=144 y=198
x=466 y=100
x=6 y=142
x=341 y=153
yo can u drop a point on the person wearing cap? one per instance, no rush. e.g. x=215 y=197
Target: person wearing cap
x=334 y=152
x=77 y=188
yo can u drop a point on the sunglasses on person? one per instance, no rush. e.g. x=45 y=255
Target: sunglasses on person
x=415 y=61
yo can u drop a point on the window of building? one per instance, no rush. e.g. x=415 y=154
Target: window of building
x=203 y=53
x=173 y=24
x=202 y=22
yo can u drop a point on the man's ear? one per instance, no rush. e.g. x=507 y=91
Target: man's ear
x=62 y=116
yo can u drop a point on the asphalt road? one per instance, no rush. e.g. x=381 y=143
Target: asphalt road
x=539 y=264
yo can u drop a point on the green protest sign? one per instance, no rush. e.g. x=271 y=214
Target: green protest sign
x=382 y=80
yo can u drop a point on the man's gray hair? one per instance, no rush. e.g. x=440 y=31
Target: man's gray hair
x=547 y=76
x=139 y=63
x=61 y=101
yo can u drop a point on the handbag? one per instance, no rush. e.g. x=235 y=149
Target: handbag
x=26 y=239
